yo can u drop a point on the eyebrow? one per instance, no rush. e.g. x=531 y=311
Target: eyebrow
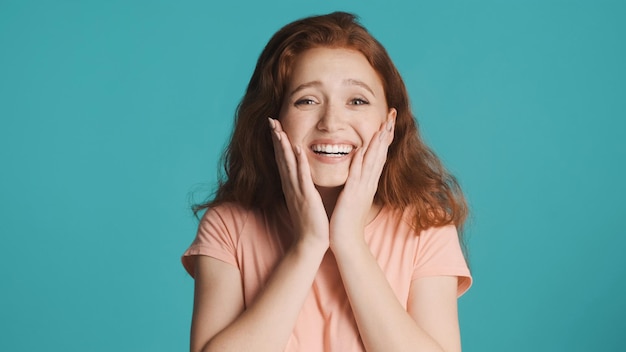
x=356 y=82
x=348 y=82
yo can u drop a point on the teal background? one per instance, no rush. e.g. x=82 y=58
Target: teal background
x=113 y=113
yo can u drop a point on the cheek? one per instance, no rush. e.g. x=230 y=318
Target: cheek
x=367 y=130
x=370 y=134
x=292 y=127
x=297 y=124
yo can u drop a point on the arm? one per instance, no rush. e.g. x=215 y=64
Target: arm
x=220 y=322
x=218 y=299
x=431 y=322
x=268 y=322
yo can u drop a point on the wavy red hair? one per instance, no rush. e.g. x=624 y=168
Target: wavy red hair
x=413 y=175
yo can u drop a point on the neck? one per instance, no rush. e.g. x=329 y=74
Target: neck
x=329 y=198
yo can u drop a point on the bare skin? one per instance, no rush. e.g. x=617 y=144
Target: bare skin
x=330 y=197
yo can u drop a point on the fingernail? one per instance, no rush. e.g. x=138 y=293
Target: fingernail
x=277 y=134
x=298 y=150
x=381 y=135
x=389 y=125
x=272 y=123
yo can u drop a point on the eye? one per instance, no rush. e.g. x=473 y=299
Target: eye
x=304 y=101
x=359 y=101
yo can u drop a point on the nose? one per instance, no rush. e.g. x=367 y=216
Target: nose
x=330 y=119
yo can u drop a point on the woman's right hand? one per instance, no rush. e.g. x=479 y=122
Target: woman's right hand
x=303 y=200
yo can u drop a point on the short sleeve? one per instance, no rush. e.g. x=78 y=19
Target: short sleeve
x=217 y=237
x=439 y=254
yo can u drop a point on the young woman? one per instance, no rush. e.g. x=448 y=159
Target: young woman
x=334 y=228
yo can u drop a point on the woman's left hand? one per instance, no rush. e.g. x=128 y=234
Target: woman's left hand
x=349 y=218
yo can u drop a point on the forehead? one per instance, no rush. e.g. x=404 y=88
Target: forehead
x=329 y=64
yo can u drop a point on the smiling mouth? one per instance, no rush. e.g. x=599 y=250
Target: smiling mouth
x=333 y=150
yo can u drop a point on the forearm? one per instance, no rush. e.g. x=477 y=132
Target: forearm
x=267 y=324
x=383 y=322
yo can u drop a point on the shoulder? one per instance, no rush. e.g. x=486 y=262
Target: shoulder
x=219 y=233
x=396 y=218
x=224 y=224
x=392 y=228
x=237 y=222
x=226 y=215
x=435 y=251
x=440 y=253
x=226 y=210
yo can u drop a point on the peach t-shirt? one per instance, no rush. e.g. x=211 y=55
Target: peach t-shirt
x=250 y=241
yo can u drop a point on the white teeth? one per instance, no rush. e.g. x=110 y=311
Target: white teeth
x=332 y=148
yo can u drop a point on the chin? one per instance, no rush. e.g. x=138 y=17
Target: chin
x=329 y=182
x=329 y=185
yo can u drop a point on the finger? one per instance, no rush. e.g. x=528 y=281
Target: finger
x=278 y=150
x=285 y=159
x=356 y=166
x=362 y=160
x=304 y=171
x=288 y=151
x=373 y=150
x=376 y=156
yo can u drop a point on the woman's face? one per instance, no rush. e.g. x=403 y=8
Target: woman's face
x=333 y=105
